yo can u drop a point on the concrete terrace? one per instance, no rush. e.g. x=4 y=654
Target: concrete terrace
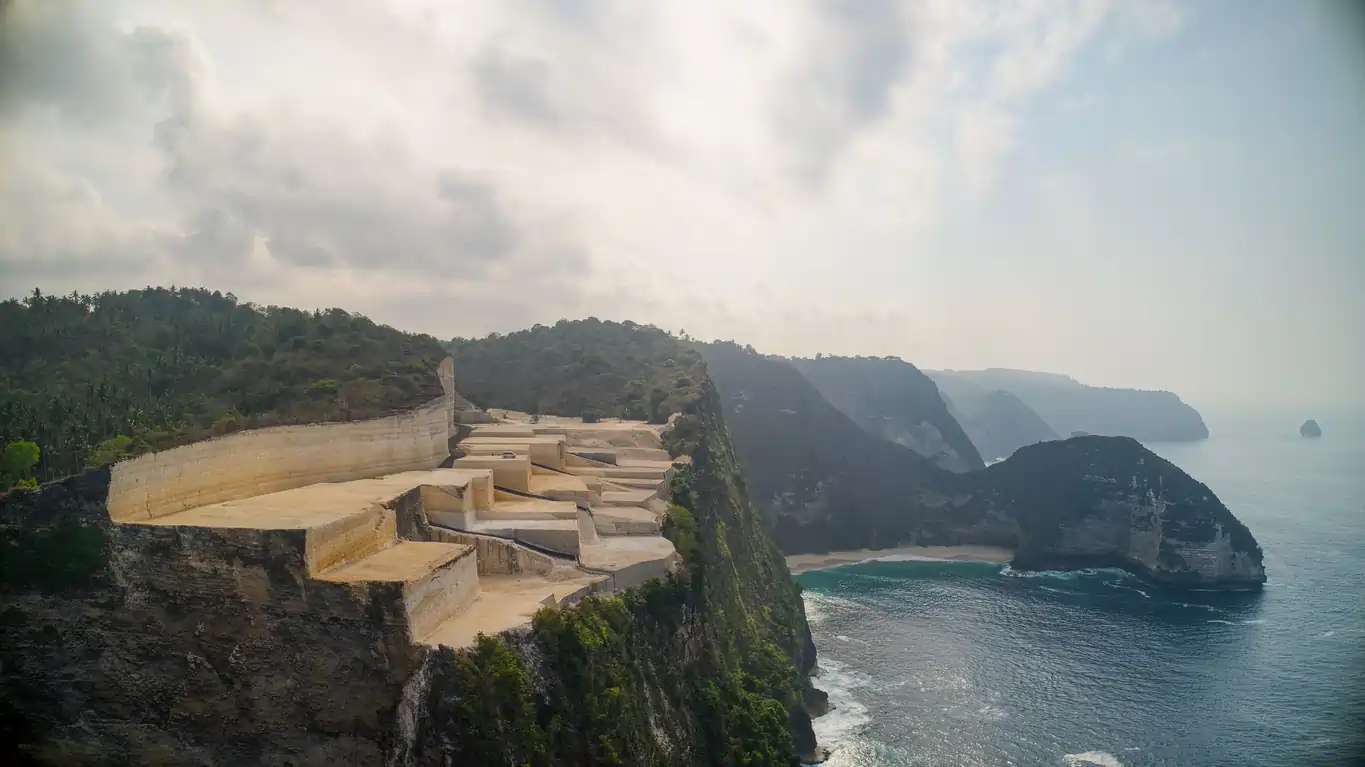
x=529 y=513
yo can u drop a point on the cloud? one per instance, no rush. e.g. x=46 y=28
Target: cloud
x=528 y=159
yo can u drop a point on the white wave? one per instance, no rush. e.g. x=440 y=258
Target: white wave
x=1067 y=575
x=1225 y=623
x=819 y=606
x=1210 y=608
x=1253 y=622
x=1092 y=759
x=847 y=716
x=1325 y=634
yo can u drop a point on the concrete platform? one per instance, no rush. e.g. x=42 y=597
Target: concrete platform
x=626 y=520
x=631 y=559
x=557 y=535
x=315 y=505
x=626 y=497
x=561 y=487
x=641 y=463
x=513 y=507
x=612 y=472
x=345 y=521
x=506 y=602
x=403 y=562
x=439 y=580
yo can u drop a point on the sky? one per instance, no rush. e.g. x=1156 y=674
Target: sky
x=1139 y=193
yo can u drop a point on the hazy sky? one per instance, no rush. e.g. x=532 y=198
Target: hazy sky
x=1136 y=193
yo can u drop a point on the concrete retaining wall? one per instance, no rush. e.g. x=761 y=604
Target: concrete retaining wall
x=268 y=460
x=447 y=592
x=498 y=557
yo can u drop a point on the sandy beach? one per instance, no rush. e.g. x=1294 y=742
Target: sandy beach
x=802 y=562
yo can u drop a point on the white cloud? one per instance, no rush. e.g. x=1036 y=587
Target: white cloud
x=528 y=159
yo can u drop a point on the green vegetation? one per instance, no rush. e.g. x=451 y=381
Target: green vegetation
x=587 y=368
x=16 y=465
x=705 y=667
x=90 y=379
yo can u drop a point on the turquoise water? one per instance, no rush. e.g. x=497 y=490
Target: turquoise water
x=933 y=663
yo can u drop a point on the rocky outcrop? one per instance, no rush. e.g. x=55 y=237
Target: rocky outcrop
x=892 y=399
x=1110 y=502
x=1310 y=428
x=1070 y=406
x=826 y=484
x=999 y=423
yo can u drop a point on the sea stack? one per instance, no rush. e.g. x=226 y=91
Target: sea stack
x=1310 y=428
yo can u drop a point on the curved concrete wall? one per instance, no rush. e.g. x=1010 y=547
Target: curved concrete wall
x=261 y=461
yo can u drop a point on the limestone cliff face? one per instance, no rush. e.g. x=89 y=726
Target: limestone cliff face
x=999 y=423
x=159 y=645
x=1108 y=501
x=892 y=399
x=826 y=484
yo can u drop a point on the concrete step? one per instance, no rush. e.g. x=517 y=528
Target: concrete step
x=625 y=520
x=614 y=472
x=635 y=483
x=509 y=601
x=545 y=450
x=633 y=559
x=561 y=487
x=509 y=507
x=439 y=580
x=557 y=535
x=510 y=469
x=624 y=454
x=626 y=497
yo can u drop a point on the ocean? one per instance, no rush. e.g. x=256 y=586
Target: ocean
x=937 y=663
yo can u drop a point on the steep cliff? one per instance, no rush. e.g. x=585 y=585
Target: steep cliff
x=826 y=484
x=998 y=422
x=1070 y=406
x=1110 y=502
x=892 y=399
x=141 y=643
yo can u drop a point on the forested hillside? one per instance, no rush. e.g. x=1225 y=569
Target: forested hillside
x=585 y=368
x=91 y=378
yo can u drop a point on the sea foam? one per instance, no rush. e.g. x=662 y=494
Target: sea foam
x=1092 y=759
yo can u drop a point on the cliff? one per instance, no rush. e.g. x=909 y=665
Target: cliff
x=1110 y=502
x=1069 y=406
x=126 y=639
x=999 y=423
x=826 y=484
x=892 y=399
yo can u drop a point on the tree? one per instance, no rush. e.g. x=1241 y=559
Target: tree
x=16 y=464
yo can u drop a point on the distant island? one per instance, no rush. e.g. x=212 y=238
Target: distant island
x=1069 y=406
x=1310 y=428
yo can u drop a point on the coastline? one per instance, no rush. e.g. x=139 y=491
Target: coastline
x=799 y=563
